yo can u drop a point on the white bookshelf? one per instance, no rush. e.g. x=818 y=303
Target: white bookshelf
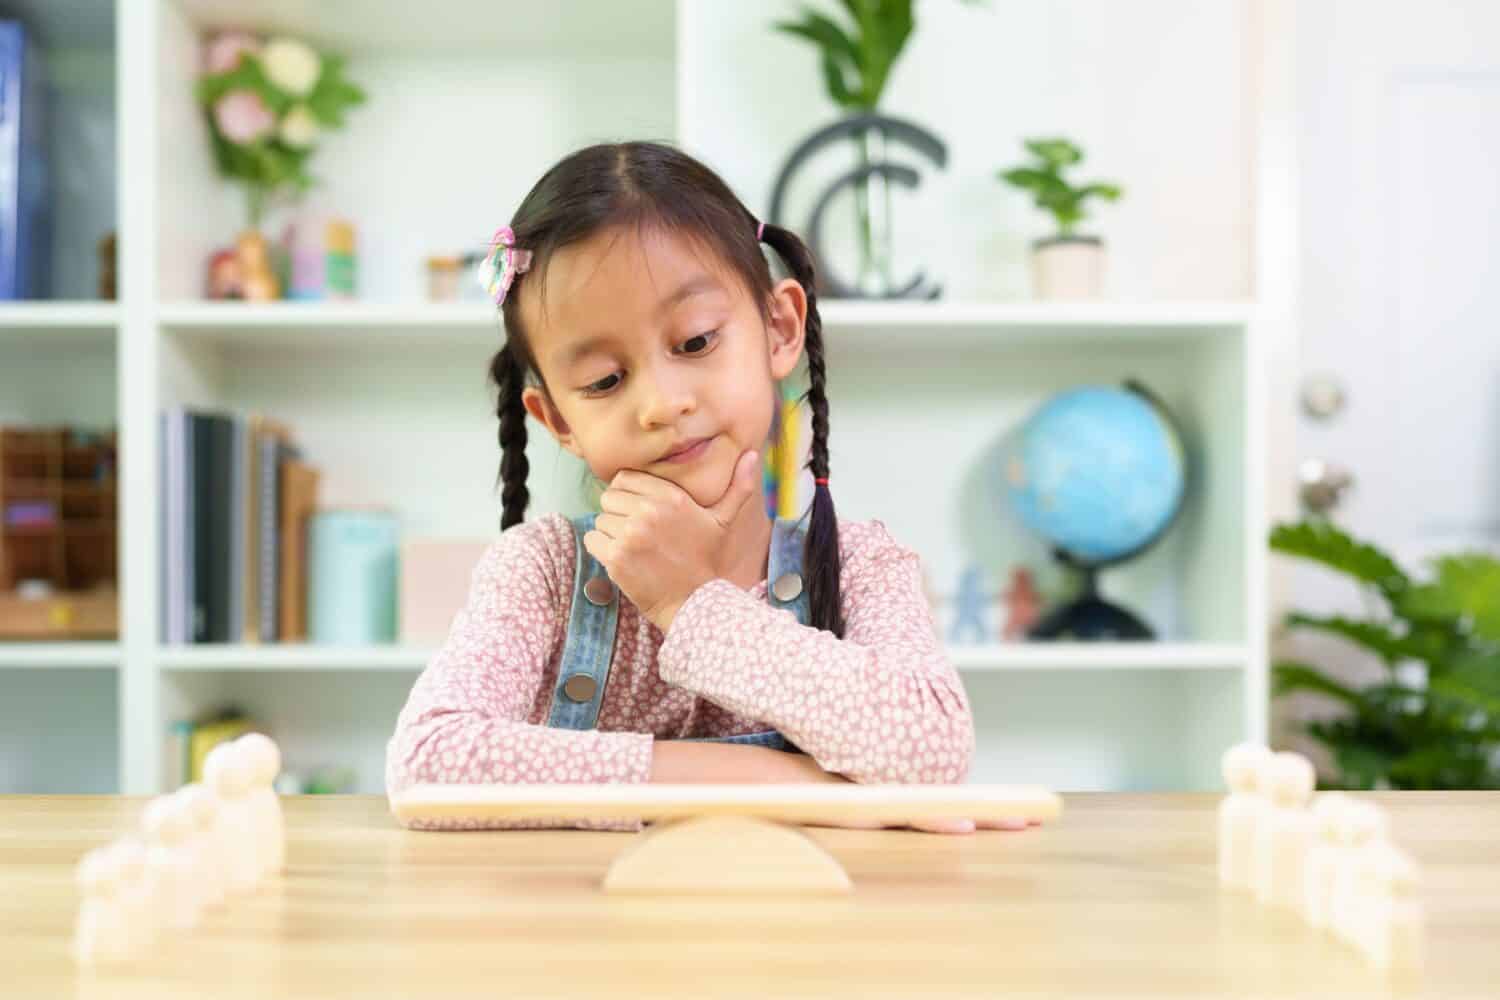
x=388 y=394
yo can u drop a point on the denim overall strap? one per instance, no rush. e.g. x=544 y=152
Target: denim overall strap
x=590 y=644
x=786 y=557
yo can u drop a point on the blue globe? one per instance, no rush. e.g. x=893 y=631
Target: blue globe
x=1097 y=472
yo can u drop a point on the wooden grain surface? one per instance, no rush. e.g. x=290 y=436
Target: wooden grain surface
x=1116 y=898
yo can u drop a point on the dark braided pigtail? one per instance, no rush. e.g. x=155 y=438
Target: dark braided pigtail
x=821 y=560
x=509 y=375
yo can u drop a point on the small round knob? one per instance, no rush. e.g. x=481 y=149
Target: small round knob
x=580 y=687
x=787 y=586
x=599 y=590
x=1323 y=484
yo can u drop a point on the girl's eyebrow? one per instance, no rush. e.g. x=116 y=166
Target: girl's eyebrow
x=571 y=354
x=693 y=286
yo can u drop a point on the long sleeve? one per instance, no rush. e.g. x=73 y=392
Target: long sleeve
x=465 y=721
x=881 y=705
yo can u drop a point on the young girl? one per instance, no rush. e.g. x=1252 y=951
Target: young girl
x=681 y=634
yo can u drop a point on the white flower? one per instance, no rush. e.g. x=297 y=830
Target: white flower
x=291 y=65
x=299 y=129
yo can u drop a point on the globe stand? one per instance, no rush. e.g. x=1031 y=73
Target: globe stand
x=1088 y=617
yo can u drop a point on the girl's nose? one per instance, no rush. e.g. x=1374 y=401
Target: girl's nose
x=666 y=400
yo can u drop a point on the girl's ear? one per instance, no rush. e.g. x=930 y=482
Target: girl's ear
x=787 y=330
x=540 y=407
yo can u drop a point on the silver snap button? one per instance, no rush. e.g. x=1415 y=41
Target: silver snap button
x=599 y=590
x=579 y=687
x=787 y=586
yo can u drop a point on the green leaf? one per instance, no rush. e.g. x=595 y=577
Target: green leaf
x=840 y=57
x=1109 y=192
x=1028 y=177
x=1056 y=152
x=1322 y=542
x=1474 y=679
x=1362 y=765
x=1466 y=591
x=1421 y=643
x=1292 y=677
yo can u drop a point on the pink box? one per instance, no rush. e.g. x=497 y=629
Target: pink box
x=434 y=585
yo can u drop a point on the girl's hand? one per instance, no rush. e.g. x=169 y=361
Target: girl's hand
x=658 y=545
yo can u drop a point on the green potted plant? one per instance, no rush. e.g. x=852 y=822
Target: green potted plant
x=857 y=58
x=1432 y=719
x=1066 y=265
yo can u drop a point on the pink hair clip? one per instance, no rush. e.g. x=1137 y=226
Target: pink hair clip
x=502 y=264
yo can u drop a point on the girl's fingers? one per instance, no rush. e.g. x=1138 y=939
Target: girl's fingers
x=610 y=524
x=615 y=501
x=953 y=825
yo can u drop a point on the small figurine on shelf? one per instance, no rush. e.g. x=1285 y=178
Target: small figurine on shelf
x=969 y=605
x=1023 y=605
x=322 y=257
x=257 y=277
x=224 y=276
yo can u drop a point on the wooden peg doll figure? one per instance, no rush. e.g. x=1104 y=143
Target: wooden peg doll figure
x=1240 y=812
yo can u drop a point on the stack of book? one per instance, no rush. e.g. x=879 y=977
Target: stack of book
x=236 y=494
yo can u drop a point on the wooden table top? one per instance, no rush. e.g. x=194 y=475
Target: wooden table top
x=1118 y=898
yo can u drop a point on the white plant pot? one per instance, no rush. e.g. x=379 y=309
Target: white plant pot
x=1068 y=268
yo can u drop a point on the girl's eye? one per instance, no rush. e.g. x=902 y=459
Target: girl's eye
x=602 y=386
x=703 y=342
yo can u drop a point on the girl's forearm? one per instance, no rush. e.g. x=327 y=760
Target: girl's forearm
x=681 y=762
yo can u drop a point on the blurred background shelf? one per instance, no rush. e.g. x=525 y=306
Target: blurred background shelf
x=87 y=323
x=1100 y=656
x=1124 y=656
x=50 y=655
x=873 y=323
x=294 y=656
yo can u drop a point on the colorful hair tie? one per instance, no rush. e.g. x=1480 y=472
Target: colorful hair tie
x=502 y=263
x=760 y=231
x=820 y=482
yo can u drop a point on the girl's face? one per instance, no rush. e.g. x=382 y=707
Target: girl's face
x=648 y=344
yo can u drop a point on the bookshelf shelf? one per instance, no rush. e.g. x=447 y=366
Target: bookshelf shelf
x=292 y=656
x=882 y=325
x=53 y=655
x=92 y=324
x=988 y=658
x=1099 y=656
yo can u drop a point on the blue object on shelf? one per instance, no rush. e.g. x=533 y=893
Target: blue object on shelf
x=24 y=209
x=352 y=576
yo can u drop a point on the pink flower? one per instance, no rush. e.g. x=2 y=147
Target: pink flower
x=242 y=116
x=224 y=51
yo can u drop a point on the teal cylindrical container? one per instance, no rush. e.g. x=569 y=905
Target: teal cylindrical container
x=353 y=568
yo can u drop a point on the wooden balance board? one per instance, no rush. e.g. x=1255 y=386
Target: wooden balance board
x=724 y=839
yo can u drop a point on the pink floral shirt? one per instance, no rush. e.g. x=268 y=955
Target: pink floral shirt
x=881 y=705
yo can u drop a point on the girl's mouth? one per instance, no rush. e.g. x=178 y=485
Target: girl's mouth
x=689 y=453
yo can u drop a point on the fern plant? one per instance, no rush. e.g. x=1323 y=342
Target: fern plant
x=1441 y=731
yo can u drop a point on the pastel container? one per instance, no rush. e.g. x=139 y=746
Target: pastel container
x=354 y=558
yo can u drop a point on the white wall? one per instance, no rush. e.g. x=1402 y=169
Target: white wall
x=1151 y=89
